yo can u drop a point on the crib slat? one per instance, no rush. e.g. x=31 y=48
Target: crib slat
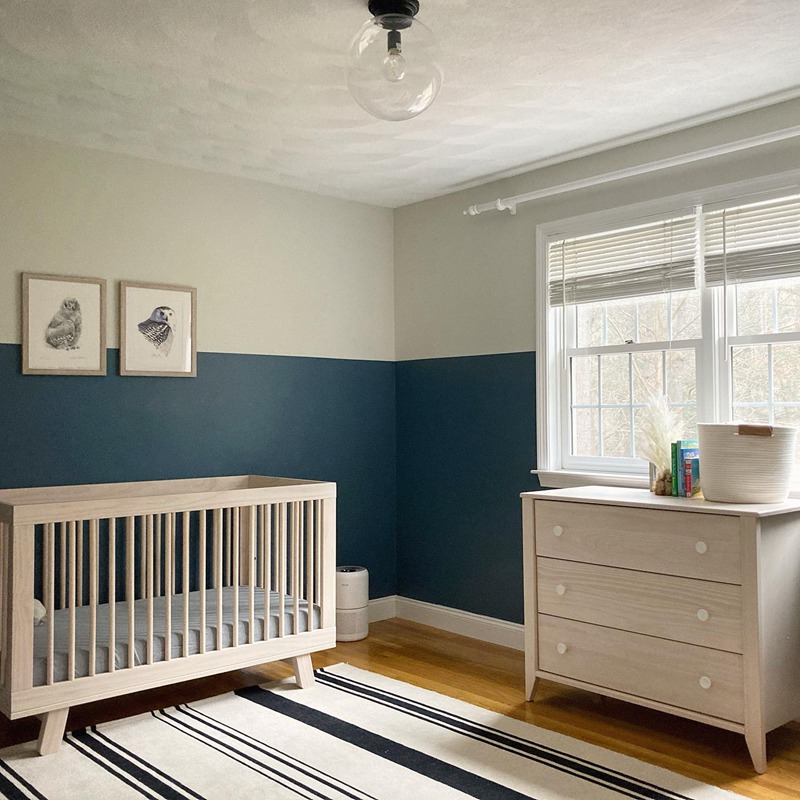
x=266 y=565
x=202 y=579
x=49 y=594
x=236 y=579
x=93 y=591
x=218 y=550
x=62 y=570
x=79 y=562
x=229 y=546
x=281 y=576
x=149 y=582
x=295 y=581
x=250 y=533
x=73 y=557
x=159 y=584
x=318 y=550
x=143 y=558
x=129 y=586
x=310 y=521
x=169 y=551
x=185 y=584
x=112 y=594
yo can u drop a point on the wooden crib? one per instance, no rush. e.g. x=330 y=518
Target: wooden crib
x=145 y=584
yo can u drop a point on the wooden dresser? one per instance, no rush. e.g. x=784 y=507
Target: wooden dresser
x=678 y=604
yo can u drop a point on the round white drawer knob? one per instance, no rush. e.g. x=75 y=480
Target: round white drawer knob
x=702 y=615
x=558 y=530
x=701 y=547
x=705 y=682
x=562 y=648
x=561 y=589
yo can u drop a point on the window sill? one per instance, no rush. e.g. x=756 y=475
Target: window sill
x=564 y=479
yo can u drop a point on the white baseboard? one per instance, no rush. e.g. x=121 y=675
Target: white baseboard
x=476 y=626
x=382 y=608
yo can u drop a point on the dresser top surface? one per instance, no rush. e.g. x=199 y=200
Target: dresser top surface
x=642 y=498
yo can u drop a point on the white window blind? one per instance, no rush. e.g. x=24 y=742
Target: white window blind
x=646 y=259
x=755 y=242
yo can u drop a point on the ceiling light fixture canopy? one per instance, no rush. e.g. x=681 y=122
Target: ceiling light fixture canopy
x=393 y=67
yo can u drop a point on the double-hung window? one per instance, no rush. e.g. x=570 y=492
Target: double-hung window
x=700 y=304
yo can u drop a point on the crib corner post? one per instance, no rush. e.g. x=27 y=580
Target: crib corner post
x=19 y=607
x=328 y=593
x=54 y=723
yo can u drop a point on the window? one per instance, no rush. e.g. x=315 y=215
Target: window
x=700 y=304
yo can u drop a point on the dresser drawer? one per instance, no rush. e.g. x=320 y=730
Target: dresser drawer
x=678 y=674
x=684 y=609
x=703 y=546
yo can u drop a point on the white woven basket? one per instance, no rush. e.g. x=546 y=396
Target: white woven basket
x=745 y=463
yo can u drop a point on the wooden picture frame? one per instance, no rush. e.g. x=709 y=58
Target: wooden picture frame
x=63 y=325
x=157 y=330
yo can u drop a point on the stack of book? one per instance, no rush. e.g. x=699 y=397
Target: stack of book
x=685 y=468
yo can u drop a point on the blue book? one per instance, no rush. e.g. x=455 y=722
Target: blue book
x=687 y=448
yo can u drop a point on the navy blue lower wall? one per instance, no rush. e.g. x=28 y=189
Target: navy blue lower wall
x=325 y=419
x=466 y=445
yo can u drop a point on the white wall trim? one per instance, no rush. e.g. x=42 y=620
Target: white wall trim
x=382 y=608
x=476 y=626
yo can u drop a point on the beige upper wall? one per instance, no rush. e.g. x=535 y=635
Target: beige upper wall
x=466 y=285
x=278 y=271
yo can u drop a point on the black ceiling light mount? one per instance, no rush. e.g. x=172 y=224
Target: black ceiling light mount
x=393 y=67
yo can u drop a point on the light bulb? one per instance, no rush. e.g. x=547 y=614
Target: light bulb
x=394 y=65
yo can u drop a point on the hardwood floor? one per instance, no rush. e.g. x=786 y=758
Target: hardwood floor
x=492 y=677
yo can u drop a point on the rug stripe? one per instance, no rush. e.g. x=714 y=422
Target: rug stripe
x=240 y=758
x=456 y=778
x=627 y=785
x=278 y=755
x=15 y=787
x=134 y=758
x=123 y=767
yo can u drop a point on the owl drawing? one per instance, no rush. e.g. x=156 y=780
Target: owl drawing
x=64 y=330
x=158 y=330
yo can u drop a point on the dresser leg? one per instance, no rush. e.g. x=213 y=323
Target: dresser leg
x=530 y=687
x=757 y=745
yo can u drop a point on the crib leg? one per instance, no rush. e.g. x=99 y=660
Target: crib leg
x=54 y=723
x=303 y=670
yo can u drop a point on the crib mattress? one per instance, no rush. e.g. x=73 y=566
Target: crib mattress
x=121 y=661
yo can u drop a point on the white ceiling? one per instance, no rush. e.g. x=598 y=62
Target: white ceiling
x=256 y=87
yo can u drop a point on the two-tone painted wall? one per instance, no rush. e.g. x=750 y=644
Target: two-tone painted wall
x=391 y=352
x=465 y=308
x=295 y=334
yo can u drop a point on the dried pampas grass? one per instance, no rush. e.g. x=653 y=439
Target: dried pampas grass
x=657 y=429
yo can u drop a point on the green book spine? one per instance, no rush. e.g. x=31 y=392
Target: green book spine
x=674 y=454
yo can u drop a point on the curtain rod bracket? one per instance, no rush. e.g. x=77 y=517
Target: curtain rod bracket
x=498 y=205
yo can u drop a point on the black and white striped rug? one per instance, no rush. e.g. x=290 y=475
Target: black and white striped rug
x=353 y=736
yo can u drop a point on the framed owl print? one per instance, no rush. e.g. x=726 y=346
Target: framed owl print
x=158 y=330
x=63 y=325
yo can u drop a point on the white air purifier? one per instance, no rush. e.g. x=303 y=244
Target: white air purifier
x=352 y=602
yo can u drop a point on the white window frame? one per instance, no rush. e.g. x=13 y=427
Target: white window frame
x=556 y=469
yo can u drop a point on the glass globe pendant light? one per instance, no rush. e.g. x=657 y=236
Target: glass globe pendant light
x=393 y=67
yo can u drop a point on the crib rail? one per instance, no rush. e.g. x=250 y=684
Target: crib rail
x=151 y=578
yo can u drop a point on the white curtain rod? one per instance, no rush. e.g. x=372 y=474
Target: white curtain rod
x=510 y=203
